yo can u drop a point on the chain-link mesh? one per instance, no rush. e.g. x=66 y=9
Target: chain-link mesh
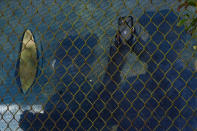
x=87 y=77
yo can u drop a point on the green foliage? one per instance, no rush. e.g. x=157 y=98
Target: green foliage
x=189 y=19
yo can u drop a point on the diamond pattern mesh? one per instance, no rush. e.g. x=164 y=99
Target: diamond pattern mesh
x=86 y=82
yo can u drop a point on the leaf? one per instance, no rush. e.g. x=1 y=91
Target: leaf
x=181 y=6
x=187 y=15
x=181 y=22
x=192 y=3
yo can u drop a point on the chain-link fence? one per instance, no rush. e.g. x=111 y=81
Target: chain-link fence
x=91 y=72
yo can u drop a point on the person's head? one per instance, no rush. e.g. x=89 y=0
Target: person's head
x=125 y=28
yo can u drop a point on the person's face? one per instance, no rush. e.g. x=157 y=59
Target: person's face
x=125 y=29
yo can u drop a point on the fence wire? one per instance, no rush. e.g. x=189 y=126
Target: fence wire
x=86 y=78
